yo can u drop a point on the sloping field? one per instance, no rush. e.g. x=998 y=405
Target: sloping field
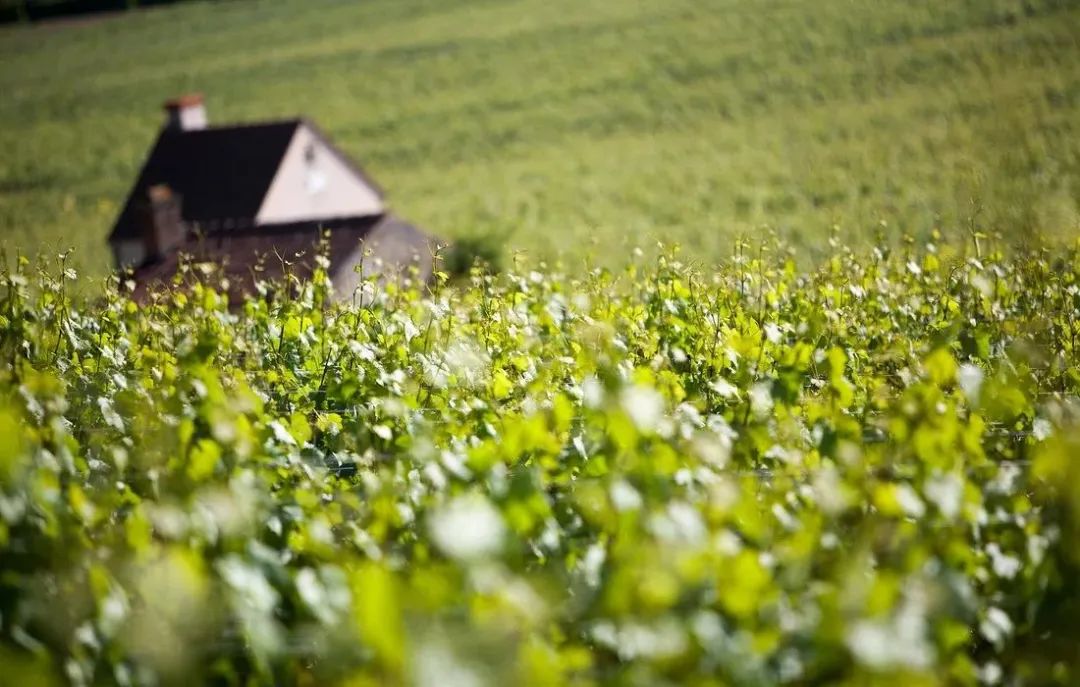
x=578 y=127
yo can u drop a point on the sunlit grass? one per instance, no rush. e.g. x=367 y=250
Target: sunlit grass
x=556 y=122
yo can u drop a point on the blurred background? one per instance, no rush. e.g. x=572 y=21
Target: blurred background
x=570 y=128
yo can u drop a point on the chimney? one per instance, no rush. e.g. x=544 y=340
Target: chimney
x=162 y=225
x=186 y=113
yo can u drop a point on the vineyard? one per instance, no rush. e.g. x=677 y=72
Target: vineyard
x=862 y=473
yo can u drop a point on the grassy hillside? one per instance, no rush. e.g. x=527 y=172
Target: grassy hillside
x=580 y=126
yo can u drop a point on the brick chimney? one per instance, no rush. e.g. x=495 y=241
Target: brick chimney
x=161 y=222
x=186 y=112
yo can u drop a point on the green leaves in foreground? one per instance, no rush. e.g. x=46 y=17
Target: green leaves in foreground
x=861 y=475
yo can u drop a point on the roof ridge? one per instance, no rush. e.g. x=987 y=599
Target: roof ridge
x=293 y=121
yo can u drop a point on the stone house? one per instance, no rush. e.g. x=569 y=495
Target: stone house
x=241 y=195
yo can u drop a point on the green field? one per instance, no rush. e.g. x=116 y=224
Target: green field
x=580 y=127
x=815 y=462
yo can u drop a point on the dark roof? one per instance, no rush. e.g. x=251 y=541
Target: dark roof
x=220 y=173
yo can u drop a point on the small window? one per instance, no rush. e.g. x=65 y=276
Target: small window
x=316 y=182
x=309 y=153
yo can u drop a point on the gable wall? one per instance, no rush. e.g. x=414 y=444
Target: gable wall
x=322 y=187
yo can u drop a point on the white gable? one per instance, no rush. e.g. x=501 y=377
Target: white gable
x=314 y=183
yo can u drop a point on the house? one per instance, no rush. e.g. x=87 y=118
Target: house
x=242 y=195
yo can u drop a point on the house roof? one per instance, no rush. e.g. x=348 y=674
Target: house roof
x=220 y=173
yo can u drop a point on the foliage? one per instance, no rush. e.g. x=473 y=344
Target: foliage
x=861 y=474
x=586 y=126
x=477 y=250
